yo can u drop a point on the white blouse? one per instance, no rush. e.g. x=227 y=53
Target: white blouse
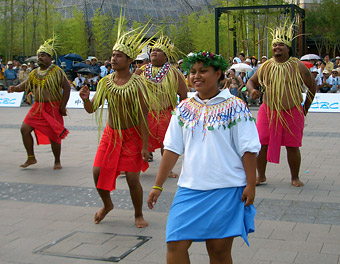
x=213 y=137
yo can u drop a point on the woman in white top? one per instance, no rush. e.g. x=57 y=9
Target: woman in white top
x=217 y=135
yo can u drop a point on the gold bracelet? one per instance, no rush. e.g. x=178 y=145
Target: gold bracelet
x=86 y=100
x=157 y=188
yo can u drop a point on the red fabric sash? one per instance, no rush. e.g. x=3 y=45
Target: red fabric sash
x=47 y=122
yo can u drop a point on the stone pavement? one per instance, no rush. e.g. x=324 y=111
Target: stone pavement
x=47 y=215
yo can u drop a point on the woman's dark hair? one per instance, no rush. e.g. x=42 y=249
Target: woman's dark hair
x=253 y=64
x=222 y=74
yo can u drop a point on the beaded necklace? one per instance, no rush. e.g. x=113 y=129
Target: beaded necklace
x=160 y=75
x=40 y=75
x=224 y=114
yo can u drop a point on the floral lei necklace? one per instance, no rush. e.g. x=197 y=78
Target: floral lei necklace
x=160 y=75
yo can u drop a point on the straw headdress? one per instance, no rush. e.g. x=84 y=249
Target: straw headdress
x=164 y=44
x=132 y=42
x=284 y=33
x=48 y=47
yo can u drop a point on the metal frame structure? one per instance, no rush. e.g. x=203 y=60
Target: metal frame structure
x=293 y=10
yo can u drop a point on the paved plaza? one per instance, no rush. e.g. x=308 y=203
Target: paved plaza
x=46 y=216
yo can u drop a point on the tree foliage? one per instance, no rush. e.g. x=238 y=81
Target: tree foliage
x=322 y=26
x=102 y=24
x=72 y=34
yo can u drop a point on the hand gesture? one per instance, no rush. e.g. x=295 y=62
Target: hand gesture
x=84 y=92
x=138 y=71
x=248 y=195
x=62 y=111
x=11 y=89
x=153 y=196
x=255 y=94
x=145 y=154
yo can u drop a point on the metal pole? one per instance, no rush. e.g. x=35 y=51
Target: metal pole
x=217 y=36
x=303 y=32
x=294 y=41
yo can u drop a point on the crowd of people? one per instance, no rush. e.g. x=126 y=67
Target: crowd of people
x=325 y=71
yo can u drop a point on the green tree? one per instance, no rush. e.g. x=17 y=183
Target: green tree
x=73 y=35
x=102 y=24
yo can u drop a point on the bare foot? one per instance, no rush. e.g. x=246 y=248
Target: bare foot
x=173 y=175
x=140 y=222
x=100 y=215
x=297 y=183
x=260 y=180
x=29 y=161
x=57 y=166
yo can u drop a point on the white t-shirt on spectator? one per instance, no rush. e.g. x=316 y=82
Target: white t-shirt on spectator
x=79 y=81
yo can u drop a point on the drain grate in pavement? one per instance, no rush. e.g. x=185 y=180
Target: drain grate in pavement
x=94 y=246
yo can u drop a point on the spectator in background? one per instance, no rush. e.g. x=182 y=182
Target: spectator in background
x=106 y=71
x=234 y=86
x=23 y=74
x=249 y=73
x=2 y=71
x=71 y=83
x=230 y=75
x=254 y=62
x=334 y=81
x=142 y=59
x=236 y=60
x=329 y=64
x=79 y=81
x=103 y=69
x=31 y=66
x=337 y=62
x=315 y=73
x=263 y=60
x=94 y=65
x=243 y=90
x=325 y=82
x=321 y=68
x=242 y=57
x=10 y=75
x=17 y=66
x=88 y=62
x=92 y=81
x=318 y=63
x=109 y=69
x=314 y=62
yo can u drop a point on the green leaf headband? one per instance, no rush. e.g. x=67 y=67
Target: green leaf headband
x=208 y=58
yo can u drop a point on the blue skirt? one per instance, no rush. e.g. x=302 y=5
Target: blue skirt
x=214 y=214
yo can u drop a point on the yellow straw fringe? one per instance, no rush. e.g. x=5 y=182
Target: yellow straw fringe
x=123 y=101
x=49 y=83
x=281 y=80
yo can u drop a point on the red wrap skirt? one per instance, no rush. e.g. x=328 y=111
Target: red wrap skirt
x=47 y=122
x=118 y=153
